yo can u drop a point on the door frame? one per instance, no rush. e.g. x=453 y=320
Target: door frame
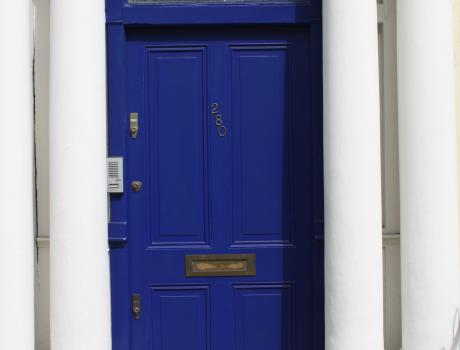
x=119 y=17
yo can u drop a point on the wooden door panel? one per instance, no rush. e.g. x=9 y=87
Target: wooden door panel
x=248 y=190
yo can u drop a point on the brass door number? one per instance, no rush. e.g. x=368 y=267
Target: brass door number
x=221 y=128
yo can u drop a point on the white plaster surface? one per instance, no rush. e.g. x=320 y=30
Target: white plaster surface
x=428 y=176
x=353 y=210
x=16 y=177
x=79 y=261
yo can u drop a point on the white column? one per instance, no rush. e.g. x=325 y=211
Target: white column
x=80 y=289
x=428 y=174
x=16 y=177
x=353 y=214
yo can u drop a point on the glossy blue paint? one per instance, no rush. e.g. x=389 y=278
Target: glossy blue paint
x=257 y=189
x=200 y=14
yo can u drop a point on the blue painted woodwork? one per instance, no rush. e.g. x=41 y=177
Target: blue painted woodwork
x=256 y=190
x=120 y=11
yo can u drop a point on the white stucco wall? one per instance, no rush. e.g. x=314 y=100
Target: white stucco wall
x=456 y=7
x=16 y=177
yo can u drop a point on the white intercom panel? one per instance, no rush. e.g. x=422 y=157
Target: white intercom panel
x=115 y=174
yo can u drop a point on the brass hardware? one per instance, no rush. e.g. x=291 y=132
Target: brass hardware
x=220 y=265
x=220 y=127
x=134 y=124
x=136 y=185
x=136 y=305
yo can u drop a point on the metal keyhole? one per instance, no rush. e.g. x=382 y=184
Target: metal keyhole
x=136 y=306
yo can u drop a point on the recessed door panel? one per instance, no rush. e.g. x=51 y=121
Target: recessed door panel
x=260 y=97
x=180 y=315
x=264 y=315
x=177 y=144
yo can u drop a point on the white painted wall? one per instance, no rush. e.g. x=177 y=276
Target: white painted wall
x=456 y=7
x=16 y=176
x=79 y=273
x=352 y=177
x=391 y=262
x=430 y=272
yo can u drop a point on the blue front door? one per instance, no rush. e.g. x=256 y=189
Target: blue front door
x=226 y=155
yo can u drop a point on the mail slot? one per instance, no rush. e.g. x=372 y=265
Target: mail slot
x=220 y=265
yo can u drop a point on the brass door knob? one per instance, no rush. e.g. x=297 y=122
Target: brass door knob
x=136 y=185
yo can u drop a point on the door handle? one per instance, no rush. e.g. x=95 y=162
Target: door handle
x=136 y=305
x=134 y=124
x=136 y=185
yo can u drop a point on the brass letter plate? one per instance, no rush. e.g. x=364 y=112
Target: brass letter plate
x=220 y=265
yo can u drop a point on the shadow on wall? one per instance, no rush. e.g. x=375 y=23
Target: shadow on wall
x=455 y=332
